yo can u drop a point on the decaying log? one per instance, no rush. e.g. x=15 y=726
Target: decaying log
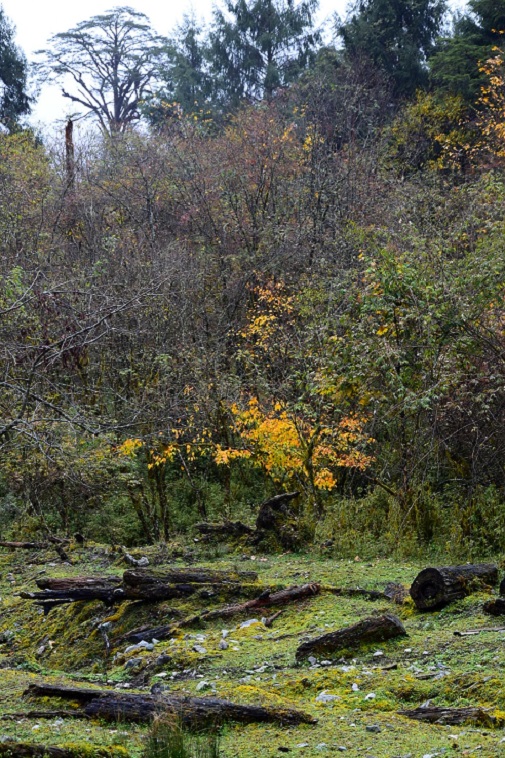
x=373 y=629
x=355 y=592
x=452 y=716
x=73 y=589
x=44 y=715
x=226 y=529
x=495 y=607
x=502 y=586
x=192 y=711
x=396 y=592
x=13 y=749
x=472 y=632
x=144 y=584
x=70 y=583
x=24 y=545
x=434 y=588
x=266 y=600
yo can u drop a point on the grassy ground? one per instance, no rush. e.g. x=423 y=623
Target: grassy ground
x=259 y=665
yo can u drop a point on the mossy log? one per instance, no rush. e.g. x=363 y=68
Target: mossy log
x=143 y=584
x=73 y=589
x=25 y=750
x=434 y=588
x=234 y=529
x=452 y=716
x=25 y=545
x=267 y=599
x=373 y=629
x=192 y=711
x=495 y=607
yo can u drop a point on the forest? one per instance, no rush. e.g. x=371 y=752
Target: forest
x=252 y=385
x=270 y=263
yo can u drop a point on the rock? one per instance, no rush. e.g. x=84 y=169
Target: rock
x=158 y=688
x=204 y=685
x=224 y=633
x=199 y=649
x=248 y=623
x=132 y=663
x=326 y=697
x=370 y=696
x=355 y=687
x=312 y=660
x=378 y=654
x=143 y=645
x=374 y=728
x=223 y=645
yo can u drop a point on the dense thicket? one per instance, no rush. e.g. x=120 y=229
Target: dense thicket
x=197 y=317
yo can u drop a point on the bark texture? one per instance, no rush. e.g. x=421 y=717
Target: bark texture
x=434 y=588
x=373 y=629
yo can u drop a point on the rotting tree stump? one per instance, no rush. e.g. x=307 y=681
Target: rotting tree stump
x=495 y=607
x=192 y=711
x=373 y=629
x=434 y=588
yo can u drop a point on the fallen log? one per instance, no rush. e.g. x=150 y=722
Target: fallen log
x=60 y=714
x=55 y=591
x=192 y=711
x=502 y=586
x=226 y=529
x=266 y=600
x=434 y=588
x=452 y=716
x=11 y=749
x=355 y=592
x=472 y=632
x=142 y=584
x=25 y=545
x=495 y=607
x=373 y=629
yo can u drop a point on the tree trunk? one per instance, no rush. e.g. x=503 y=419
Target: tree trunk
x=193 y=711
x=435 y=587
x=373 y=629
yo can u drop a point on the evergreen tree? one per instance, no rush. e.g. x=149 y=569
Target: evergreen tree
x=14 y=101
x=184 y=73
x=257 y=46
x=455 y=66
x=396 y=35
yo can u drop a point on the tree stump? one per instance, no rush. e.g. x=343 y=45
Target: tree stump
x=495 y=607
x=434 y=588
x=373 y=629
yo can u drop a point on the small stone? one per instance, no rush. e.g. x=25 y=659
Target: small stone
x=355 y=687
x=312 y=660
x=161 y=675
x=58 y=722
x=378 y=654
x=326 y=697
x=204 y=685
x=223 y=645
x=199 y=649
x=370 y=696
x=302 y=744
x=248 y=623
x=132 y=663
x=341 y=748
x=143 y=645
x=321 y=746
x=375 y=728
x=224 y=633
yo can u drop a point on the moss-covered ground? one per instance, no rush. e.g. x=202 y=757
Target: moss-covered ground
x=370 y=685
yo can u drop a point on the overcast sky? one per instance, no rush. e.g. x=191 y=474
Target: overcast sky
x=37 y=20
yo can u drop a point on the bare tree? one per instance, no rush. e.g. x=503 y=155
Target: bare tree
x=111 y=61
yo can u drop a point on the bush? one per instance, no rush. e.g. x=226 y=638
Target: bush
x=168 y=739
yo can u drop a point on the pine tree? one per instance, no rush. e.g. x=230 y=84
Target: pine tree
x=396 y=35
x=14 y=101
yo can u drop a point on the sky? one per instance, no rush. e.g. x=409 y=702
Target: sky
x=37 y=20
